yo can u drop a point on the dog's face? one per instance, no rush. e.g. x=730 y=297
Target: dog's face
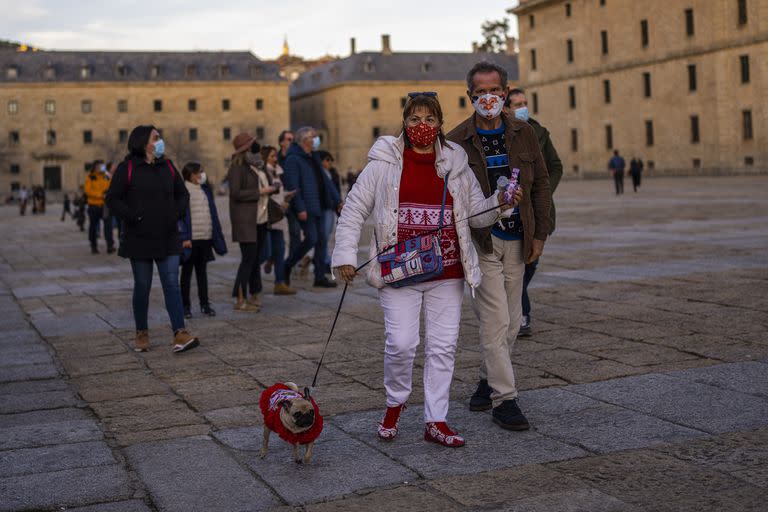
x=297 y=415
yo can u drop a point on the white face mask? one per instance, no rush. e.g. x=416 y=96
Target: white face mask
x=488 y=105
x=203 y=178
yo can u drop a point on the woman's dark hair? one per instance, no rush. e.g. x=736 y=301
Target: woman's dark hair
x=191 y=168
x=266 y=150
x=324 y=155
x=138 y=140
x=429 y=103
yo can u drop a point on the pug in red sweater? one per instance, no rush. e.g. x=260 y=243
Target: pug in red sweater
x=294 y=416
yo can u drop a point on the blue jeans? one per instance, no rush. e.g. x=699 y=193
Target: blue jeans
x=274 y=250
x=168 y=269
x=530 y=269
x=294 y=231
x=314 y=236
x=95 y=214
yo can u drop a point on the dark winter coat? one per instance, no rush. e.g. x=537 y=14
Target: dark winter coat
x=244 y=193
x=553 y=163
x=316 y=191
x=149 y=205
x=185 y=228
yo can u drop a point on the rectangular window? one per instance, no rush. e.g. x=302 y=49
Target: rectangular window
x=746 y=116
x=749 y=161
x=190 y=70
x=86 y=106
x=192 y=105
x=574 y=140
x=533 y=60
x=122 y=136
x=608 y=136
x=568 y=10
x=647 y=84
x=50 y=107
x=604 y=41
x=689 y=29
x=14 y=138
x=695 y=138
x=13 y=107
x=569 y=50
x=535 y=98
x=531 y=21
x=260 y=133
x=122 y=105
x=50 y=137
x=744 y=62
x=374 y=103
x=376 y=132
x=192 y=134
x=572 y=96
x=602 y=3
x=227 y=133
x=87 y=137
x=696 y=163
x=462 y=102
x=259 y=104
x=692 y=85
x=15 y=169
x=225 y=105
x=158 y=105
x=742 y=5
x=649 y=133
x=644 y=33
x=607 y=91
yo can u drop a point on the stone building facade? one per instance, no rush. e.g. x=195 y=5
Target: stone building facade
x=61 y=110
x=683 y=84
x=354 y=100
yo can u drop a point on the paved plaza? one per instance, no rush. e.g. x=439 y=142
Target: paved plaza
x=646 y=379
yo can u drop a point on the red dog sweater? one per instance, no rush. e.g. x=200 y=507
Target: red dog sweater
x=271 y=402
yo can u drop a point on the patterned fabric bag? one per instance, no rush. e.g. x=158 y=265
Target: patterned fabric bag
x=414 y=260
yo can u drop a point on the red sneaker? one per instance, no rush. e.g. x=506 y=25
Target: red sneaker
x=388 y=426
x=440 y=433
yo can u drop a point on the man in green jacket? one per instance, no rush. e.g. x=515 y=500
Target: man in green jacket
x=517 y=105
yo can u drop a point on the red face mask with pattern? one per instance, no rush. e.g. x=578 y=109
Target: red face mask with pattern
x=422 y=135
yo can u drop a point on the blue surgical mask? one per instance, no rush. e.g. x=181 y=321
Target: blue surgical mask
x=159 y=148
x=316 y=143
x=522 y=113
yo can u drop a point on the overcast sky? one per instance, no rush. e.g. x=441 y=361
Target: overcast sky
x=313 y=28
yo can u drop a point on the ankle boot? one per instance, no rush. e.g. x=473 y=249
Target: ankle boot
x=388 y=427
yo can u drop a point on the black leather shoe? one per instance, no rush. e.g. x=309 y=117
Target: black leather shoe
x=208 y=310
x=324 y=282
x=94 y=250
x=288 y=270
x=509 y=416
x=481 y=399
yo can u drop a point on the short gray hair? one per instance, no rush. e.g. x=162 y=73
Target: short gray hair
x=303 y=132
x=485 y=66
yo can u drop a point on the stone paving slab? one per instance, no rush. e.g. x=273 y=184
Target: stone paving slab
x=64 y=488
x=42 y=434
x=42 y=417
x=698 y=406
x=119 y=506
x=11 y=403
x=750 y=378
x=189 y=475
x=28 y=372
x=55 y=458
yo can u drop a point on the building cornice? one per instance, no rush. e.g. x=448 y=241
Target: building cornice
x=530 y=5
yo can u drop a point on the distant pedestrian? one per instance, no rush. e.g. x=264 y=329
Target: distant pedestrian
x=201 y=235
x=23 y=200
x=635 y=171
x=248 y=216
x=109 y=219
x=96 y=185
x=148 y=195
x=67 y=208
x=315 y=193
x=284 y=142
x=80 y=204
x=616 y=165
x=326 y=162
x=274 y=251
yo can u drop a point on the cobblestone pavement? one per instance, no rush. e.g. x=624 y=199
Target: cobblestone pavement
x=646 y=380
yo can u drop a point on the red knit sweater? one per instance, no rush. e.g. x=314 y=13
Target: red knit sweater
x=421 y=192
x=270 y=404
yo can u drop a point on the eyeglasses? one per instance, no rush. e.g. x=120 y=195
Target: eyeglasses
x=431 y=94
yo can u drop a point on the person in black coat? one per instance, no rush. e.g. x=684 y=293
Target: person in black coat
x=148 y=195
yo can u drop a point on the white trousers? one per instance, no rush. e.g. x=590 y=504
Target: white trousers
x=442 y=312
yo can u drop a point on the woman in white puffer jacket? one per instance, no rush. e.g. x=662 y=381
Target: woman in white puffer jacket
x=402 y=188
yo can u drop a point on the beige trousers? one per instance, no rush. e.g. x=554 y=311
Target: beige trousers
x=497 y=306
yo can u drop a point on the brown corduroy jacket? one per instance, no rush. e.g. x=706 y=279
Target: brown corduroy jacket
x=523 y=149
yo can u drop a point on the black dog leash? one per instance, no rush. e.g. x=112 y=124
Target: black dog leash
x=346 y=285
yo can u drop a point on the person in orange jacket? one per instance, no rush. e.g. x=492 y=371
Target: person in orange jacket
x=96 y=185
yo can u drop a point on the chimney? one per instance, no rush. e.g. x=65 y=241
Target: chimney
x=352 y=46
x=385 y=48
